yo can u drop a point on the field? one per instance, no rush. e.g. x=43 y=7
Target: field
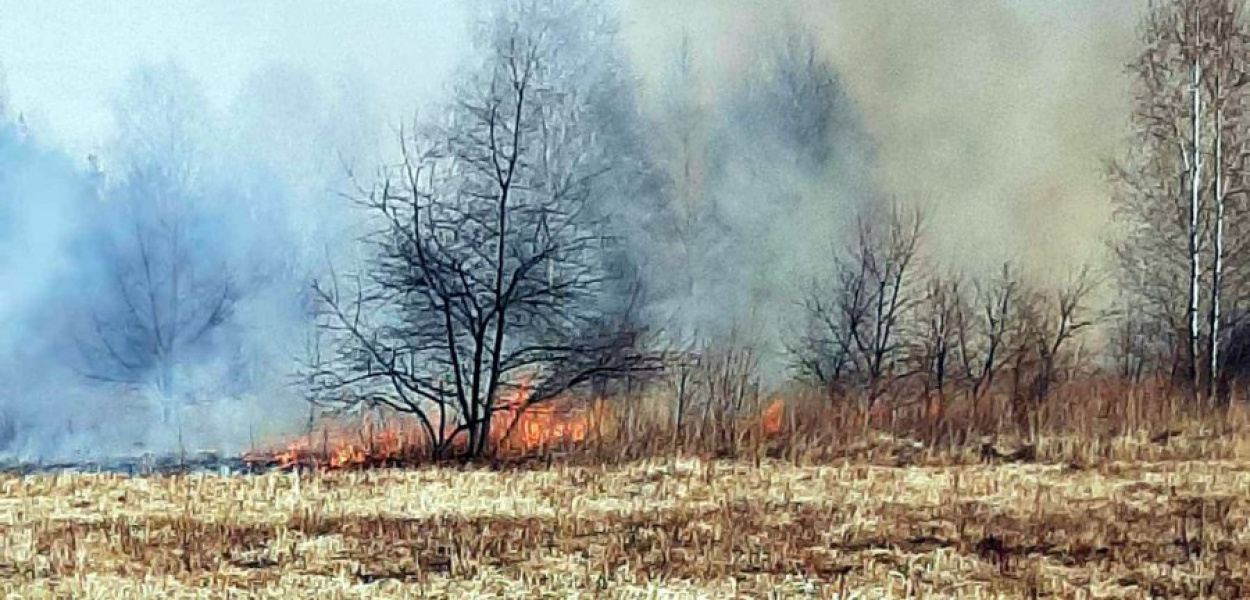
x=1152 y=519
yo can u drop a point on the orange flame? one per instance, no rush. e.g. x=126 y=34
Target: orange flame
x=523 y=428
x=773 y=416
x=292 y=454
x=338 y=447
x=516 y=429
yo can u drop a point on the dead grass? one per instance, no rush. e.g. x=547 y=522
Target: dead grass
x=658 y=528
x=1085 y=422
x=1135 y=498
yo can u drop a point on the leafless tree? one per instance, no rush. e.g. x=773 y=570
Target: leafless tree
x=983 y=331
x=855 y=320
x=964 y=337
x=716 y=384
x=825 y=350
x=1175 y=188
x=490 y=269
x=166 y=294
x=1222 y=37
x=935 y=345
x=164 y=286
x=682 y=382
x=1048 y=322
x=1130 y=342
x=686 y=219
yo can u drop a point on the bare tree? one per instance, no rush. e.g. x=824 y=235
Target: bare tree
x=983 y=336
x=1222 y=39
x=686 y=223
x=884 y=261
x=1192 y=158
x=715 y=384
x=825 y=350
x=855 y=320
x=939 y=316
x=1131 y=342
x=1174 y=187
x=682 y=382
x=1048 y=323
x=489 y=266
x=166 y=294
x=164 y=286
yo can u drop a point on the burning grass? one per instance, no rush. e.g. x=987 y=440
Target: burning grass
x=1116 y=499
x=398 y=440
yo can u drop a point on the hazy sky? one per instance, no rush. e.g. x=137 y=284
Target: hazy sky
x=66 y=59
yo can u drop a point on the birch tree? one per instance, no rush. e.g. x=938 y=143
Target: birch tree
x=1222 y=37
x=1178 y=189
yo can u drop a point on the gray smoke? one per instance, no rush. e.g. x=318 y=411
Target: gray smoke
x=744 y=137
x=156 y=295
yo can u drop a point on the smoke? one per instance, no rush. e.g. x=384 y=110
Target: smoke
x=997 y=116
x=155 y=295
x=767 y=161
x=39 y=201
x=746 y=137
x=1000 y=115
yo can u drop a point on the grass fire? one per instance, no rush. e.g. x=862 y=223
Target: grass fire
x=1089 y=512
x=519 y=431
x=625 y=299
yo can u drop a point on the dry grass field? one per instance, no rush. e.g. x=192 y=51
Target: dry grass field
x=1161 y=523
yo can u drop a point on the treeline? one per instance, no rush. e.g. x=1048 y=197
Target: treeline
x=887 y=326
x=544 y=237
x=541 y=235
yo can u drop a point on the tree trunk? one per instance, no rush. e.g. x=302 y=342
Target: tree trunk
x=1195 y=186
x=483 y=433
x=1217 y=277
x=165 y=393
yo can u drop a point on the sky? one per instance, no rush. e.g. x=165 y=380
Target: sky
x=65 y=60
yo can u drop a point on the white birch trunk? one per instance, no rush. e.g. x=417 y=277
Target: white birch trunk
x=1217 y=278
x=1195 y=186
